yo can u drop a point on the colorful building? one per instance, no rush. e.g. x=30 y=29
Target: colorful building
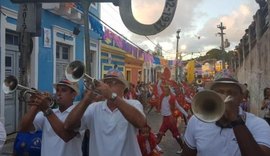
x=58 y=43
x=133 y=68
x=127 y=56
x=111 y=56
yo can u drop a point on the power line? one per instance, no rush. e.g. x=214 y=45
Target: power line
x=115 y=31
x=164 y=51
x=107 y=11
x=93 y=15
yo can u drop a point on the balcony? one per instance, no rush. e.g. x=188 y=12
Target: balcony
x=65 y=10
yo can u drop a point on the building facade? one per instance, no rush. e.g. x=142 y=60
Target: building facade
x=59 y=43
x=127 y=56
x=251 y=61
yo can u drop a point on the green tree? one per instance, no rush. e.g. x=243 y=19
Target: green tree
x=216 y=54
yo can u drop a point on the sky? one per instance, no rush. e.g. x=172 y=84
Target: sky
x=197 y=19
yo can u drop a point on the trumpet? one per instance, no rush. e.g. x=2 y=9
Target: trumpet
x=199 y=81
x=209 y=106
x=76 y=71
x=11 y=84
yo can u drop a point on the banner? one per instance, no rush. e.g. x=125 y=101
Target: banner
x=47 y=38
x=190 y=71
x=29 y=18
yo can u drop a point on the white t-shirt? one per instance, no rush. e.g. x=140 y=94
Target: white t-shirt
x=52 y=144
x=209 y=139
x=165 y=106
x=110 y=133
x=3 y=135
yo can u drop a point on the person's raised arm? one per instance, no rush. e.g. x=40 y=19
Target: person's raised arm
x=56 y=124
x=26 y=123
x=246 y=140
x=132 y=114
x=73 y=120
x=181 y=109
x=58 y=127
x=247 y=143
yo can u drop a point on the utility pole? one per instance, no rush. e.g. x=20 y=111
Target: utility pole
x=177 y=55
x=221 y=33
x=28 y=25
x=87 y=55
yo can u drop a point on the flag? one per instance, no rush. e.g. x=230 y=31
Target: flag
x=190 y=71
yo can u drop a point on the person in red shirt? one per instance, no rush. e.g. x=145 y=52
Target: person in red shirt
x=168 y=105
x=153 y=100
x=147 y=142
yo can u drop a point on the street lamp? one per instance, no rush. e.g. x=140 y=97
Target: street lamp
x=177 y=54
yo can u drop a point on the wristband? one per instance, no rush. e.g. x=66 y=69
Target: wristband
x=48 y=112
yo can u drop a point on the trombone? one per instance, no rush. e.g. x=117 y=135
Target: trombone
x=209 y=106
x=11 y=84
x=76 y=71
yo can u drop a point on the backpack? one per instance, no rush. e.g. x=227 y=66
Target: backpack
x=27 y=143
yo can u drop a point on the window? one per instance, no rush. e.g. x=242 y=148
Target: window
x=12 y=38
x=8 y=61
x=93 y=58
x=63 y=52
x=128 y=76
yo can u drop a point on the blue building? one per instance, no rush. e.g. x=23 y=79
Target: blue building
x=61 y=41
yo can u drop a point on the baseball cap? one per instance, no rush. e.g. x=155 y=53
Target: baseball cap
x=72 y=85
x=116 y=75
x=225 y=77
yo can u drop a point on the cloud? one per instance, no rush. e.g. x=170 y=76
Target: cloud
x=149 y=11
x=192 y=21
x=236 y=22
x=186 y=17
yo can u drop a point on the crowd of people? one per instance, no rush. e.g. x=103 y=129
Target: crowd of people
x=111 y=120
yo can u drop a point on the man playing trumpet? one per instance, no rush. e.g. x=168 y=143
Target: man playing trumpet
x=56 y=140
x=113 y=123
x=236 y=133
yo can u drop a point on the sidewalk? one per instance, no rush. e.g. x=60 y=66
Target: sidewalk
x=8 y=147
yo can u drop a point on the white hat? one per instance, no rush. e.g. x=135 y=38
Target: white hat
x=117 y=75
x=72 y=85
x=225 y=77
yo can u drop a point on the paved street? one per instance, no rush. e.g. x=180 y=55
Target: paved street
x=168 y=143
x=7 y=149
